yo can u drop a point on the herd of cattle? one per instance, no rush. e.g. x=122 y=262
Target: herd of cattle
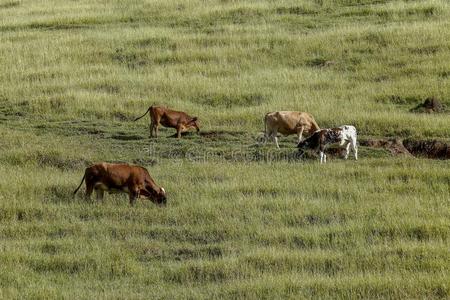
x=137 y=182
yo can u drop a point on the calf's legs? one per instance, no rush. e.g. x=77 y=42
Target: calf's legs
x=323 y=157
x=355 y=150
x=347 y=150
x=275 y=138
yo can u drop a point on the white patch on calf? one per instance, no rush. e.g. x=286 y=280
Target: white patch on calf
x=346 y=137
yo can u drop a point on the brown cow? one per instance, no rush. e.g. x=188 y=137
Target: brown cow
x=288 y=122
x=179 y=120
x=134 y=180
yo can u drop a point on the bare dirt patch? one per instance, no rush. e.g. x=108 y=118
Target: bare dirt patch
x=431 y=149
x=393 y=145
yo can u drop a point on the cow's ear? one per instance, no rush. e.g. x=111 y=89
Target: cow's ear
x=194 y=119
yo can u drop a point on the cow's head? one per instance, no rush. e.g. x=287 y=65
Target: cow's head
x=193 y=123
x=161 y=198
x=156 y=196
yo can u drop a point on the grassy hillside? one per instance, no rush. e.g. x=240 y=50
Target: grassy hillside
x=243 y=220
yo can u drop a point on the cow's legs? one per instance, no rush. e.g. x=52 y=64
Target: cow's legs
x=133 y=194
x=273 y=134
x=321 y=154
x=179 y=129
x=152 y=128
x=300 y=133
x=266 y=137
x=156 y=129
x=154 y=123
x=89 y=190
x=275 y=138
x=100 y=193
x=133 y=197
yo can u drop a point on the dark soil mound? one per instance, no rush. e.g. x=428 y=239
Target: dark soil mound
x=431 y=149
x=430 y=105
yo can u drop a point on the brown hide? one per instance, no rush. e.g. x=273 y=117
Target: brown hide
x=134 y=180
x=166 y=117
x=289 y=122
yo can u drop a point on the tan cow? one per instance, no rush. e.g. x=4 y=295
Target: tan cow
x=288 y=122
x=134 y=180
x=166 y=117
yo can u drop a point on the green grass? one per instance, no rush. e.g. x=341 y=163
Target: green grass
x=243 y=220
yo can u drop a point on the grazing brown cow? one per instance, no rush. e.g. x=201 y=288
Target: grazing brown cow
x=179 y=120
x=288 y=122
x=134 y=180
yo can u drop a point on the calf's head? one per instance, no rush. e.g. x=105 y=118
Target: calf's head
x=309 y=143
x=305 y=144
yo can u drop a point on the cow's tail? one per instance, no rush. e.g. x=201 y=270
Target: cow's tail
x=84 y=176
x=144 y=114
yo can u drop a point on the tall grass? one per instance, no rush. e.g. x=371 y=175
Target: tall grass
x=243 y=220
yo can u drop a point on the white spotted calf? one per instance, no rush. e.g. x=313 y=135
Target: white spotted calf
x=343 y=136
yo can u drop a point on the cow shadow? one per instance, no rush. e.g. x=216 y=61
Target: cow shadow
x=211 y=134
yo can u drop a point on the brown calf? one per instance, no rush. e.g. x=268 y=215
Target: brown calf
x=166 y=117
x=134 y=180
